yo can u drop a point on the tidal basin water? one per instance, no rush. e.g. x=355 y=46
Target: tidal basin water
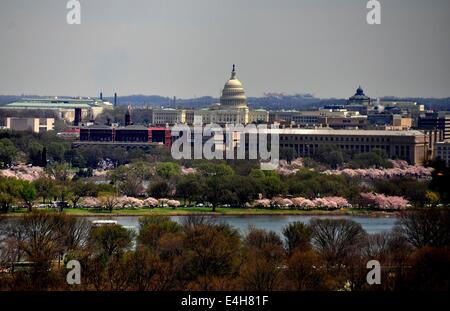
x=274 y=223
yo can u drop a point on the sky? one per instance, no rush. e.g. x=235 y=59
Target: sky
x=186 y=48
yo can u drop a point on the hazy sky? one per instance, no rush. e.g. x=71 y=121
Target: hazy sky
x=187 y=47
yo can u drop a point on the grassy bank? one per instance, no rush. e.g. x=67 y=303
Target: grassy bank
x=184 y=211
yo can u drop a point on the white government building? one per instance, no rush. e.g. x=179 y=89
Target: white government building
x=232 y=109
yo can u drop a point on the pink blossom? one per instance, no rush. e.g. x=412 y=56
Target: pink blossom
x=265 y=203
x=188 y=170
x=173 y=203
x=381 y=201
x=399 y=169
x=23 y=172
x=129 y=202
x=151 y=202
x=90 y=202
x=303 y=203
x=282 y=202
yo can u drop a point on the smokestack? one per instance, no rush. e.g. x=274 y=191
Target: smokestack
x=115 y=99
x=77 y=119
x=128 y=117
x=101 y=96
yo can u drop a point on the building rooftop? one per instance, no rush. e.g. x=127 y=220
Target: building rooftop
x=56 y=103
x=133 y=127
x=332 y=132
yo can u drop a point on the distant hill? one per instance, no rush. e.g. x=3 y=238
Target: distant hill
x=271 y=101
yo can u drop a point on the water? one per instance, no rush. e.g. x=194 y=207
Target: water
x=274 y=223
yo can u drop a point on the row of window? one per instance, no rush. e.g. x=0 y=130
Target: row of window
x=400 y=151
x=327 y=138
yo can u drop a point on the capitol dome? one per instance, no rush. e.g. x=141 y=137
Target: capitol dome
x=233 y=94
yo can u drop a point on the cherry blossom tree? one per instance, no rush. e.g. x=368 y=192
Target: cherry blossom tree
x=90 y=202
x=384 y=202
x=173 y=203
x=150 y=202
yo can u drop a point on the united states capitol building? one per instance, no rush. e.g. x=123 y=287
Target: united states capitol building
x=232 y=109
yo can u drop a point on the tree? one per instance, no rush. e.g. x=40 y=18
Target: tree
x=38 y=241
x=27 y=193
x=80 y=189
x=168 y=170
x=144 y=266
x=210 y=250
x=304 y=271
x=257 y=273
x=129 y=180
x=34 y=151
x=336 y=239
x=45 y=188
x=441 y=180
x=109 y=201
x=110 y=240
x=217 y=190
x=74 y=157
x=245 y=188
x=152 y=228
x=215 y=169
x=189 y=187
x=8 y=152
x=426 y=227
x=159 y=189
x=430 y=269
x=63 y=193
x=44 y=157
x=272 y=186
x=375 y=158
x=56 y=151
x=266 y=243
x=9 y=193
x=61 y=172
x=331 y=155
x=297 y=236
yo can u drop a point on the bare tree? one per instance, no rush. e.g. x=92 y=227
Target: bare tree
x=336 y=239
x=426 y=227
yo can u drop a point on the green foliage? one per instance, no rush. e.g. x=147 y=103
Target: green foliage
x=27 y=193
x=8 y=152
x=311 y=184
x=208 y=168
x=129 y=179
x=189 y=187
x=60 y=172
x=9 y=193
x=272 y=186
x=375 y=158
x=331 y=155
x=415 y=191
x=152 y=228
x=56 y=151
x=34 y=152
x=168 y=169
x=111 y=240
x=159 y=189
x=45 y=188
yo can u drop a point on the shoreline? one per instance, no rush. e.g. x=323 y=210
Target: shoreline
x=244 y=213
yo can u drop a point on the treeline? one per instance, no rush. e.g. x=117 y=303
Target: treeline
x=211 y=183
x=47 y=148
x=199 y=254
